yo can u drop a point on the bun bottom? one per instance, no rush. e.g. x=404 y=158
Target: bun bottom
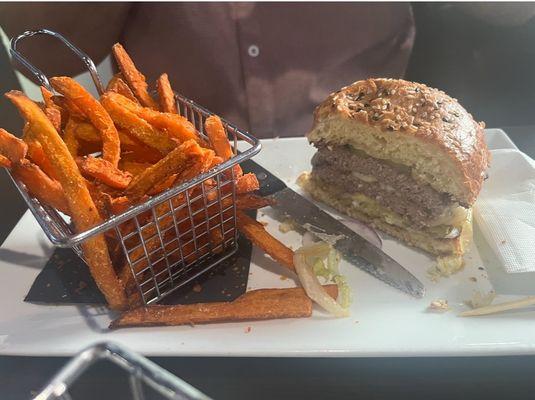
x=419 y=239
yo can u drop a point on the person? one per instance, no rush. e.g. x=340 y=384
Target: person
x=481 y=54
x=262 y=66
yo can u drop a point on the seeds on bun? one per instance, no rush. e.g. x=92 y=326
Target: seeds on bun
x=400 y=156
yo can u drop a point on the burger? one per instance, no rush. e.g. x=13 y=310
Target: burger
x=402 y=157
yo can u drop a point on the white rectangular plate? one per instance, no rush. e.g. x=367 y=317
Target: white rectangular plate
x=383 y=322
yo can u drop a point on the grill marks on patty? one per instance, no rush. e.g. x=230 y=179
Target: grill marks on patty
x=391 y=185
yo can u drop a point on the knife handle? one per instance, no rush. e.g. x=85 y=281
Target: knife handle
x=269 y=183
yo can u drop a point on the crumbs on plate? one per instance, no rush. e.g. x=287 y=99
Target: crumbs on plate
x=480 y=300
x=438 y=306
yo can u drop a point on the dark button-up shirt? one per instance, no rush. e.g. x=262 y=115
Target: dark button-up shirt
x=265 y=66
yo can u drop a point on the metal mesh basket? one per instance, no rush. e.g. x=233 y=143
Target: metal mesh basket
x=172 y=237
x=142 y=374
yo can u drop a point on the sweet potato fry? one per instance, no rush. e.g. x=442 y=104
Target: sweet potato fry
x=174 y=125
x=216 y=161
x=39 y=185
x=177 y=161
x=94 y=111
x=47 y=97
x=200 y=166
x=38 y=157
x=187 y=253
x=83 y=210
x=119 y=204
x=52 y=111
x=12 y=147
x=261 y=304
x=100 y=198
x=141 y=154
x=69 y=137
x=218 y=138
x=256 y=233
x=247 y=183
x=219 y=141
x=54 y=115
x=67 y=109
x=163 y=185
x=118 y=85
x=136 y=126
x=105 y=172
x=133 y=167
x=251 y=201
x=4 y=162
x=216 y=238
x=134 y=78
x=88 y=133
x=166 y=95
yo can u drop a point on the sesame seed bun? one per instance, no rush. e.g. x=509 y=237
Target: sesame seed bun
x=409 y=124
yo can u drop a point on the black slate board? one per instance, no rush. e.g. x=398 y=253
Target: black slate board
x=65 y=279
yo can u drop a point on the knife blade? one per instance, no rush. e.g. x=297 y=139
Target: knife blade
x=355 y=249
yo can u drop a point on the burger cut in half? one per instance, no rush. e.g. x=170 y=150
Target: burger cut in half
x=402 y=157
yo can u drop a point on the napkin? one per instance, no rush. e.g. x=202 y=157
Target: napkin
x=505 y=210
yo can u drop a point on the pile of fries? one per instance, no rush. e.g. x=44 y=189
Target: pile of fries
x=92 y=158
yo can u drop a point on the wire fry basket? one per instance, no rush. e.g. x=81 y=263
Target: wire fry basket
x=175 y=235
x=142 y=373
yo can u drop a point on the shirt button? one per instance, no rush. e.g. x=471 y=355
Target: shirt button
x=253 y=50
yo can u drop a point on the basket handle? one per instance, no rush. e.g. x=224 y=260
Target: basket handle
x=41 y=77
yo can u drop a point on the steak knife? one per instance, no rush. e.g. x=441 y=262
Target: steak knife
x=354 y=248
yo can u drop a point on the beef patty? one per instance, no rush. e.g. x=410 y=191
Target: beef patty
x=391 y=185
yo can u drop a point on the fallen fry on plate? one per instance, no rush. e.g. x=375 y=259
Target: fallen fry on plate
x=261 y=304
x=94 y=111
x=256 y=233
x=166 y=95
x=82 y=209
x=134 y=78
